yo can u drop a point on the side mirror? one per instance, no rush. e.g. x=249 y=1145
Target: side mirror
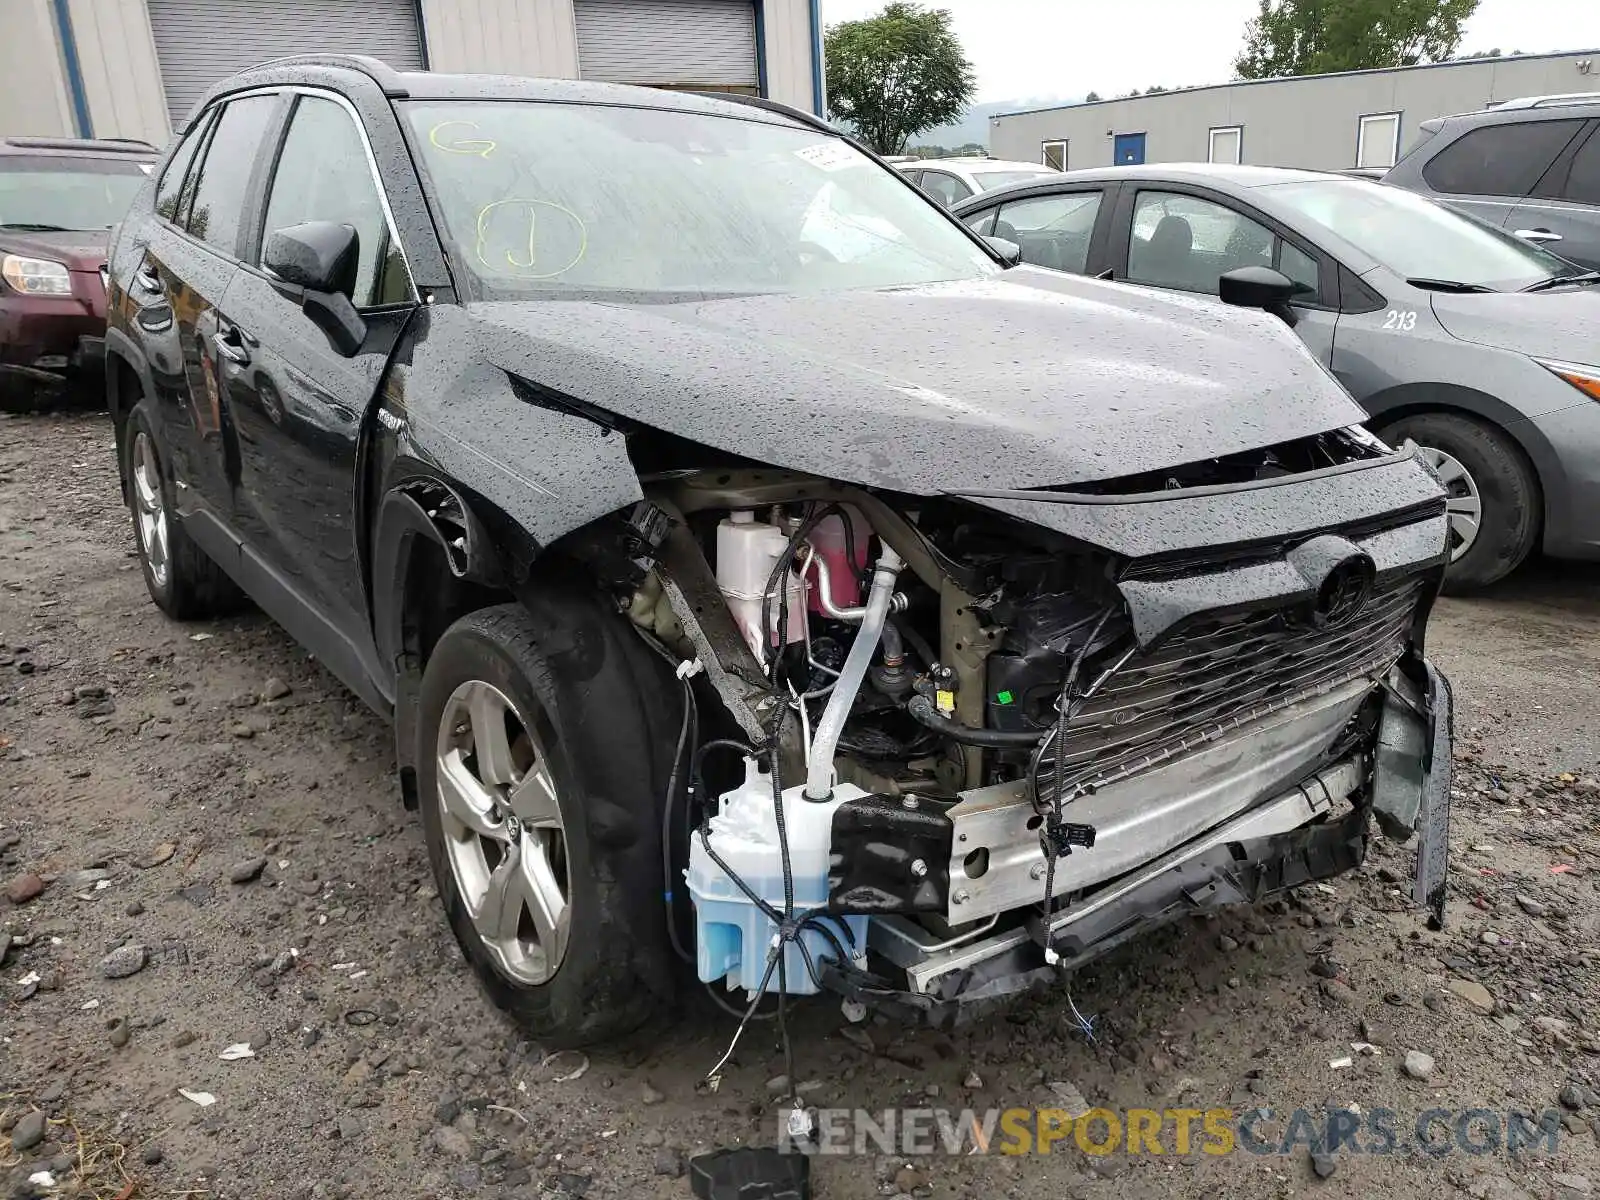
x=1263 y=288
x=1006 y=249
x=319 y=258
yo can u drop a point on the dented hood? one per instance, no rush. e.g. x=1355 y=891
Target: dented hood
x=1030 y=379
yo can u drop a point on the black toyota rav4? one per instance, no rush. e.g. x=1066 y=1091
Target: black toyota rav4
x=767 y=580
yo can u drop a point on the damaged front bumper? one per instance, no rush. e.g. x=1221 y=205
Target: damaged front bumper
x=1314 y=830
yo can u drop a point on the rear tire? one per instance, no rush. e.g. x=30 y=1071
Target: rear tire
x=182 y=579
x=542 y=758
x=1488 y=478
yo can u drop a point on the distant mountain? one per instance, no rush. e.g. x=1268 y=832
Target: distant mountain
x=974 y=127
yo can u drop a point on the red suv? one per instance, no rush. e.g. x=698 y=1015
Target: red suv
x=58 y=200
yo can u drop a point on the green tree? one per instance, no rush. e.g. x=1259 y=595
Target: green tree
x=893 y=75
x=1091 y=97
x=1309 y=37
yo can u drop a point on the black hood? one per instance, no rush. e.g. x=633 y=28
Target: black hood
x=1031 y=379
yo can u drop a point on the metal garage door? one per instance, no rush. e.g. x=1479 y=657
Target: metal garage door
x=679 y=43
x=202 y=41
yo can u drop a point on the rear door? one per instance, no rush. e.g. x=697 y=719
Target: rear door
x=1056 y=229
x=299 y=404
x=185 y=267
x=1185 y=238
x=1488 y=171
x=1563 y=212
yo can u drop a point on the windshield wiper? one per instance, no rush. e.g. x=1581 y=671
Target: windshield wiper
x=1447 y=285
x=1558 y=280
x=34 y=227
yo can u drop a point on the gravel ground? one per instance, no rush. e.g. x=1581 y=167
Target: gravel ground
x=224 y=863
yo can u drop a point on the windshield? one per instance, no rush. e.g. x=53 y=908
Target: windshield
x=1417 y=238
x=63 y=193
x=541 y=198
x=989 y=180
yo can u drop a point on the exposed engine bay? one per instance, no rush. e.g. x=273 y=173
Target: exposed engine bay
x=967 y=749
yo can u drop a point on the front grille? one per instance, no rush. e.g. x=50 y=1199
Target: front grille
x=1218 y=675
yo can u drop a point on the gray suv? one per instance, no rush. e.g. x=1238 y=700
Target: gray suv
x=1529 y=166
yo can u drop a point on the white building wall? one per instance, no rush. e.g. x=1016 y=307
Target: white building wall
x=789 y=49
x=505 y=37
x=1305 y=122
x=121 y=75
x=33 y=89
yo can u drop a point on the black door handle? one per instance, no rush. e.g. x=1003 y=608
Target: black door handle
x=148 y=278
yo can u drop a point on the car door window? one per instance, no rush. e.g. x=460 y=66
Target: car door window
x=1186 y=242
x=1583 y=182
x=946 y=189
x=223 y=189
x=1499 y=160
x=323 y=175
x=177 y=181
x=1053 y=231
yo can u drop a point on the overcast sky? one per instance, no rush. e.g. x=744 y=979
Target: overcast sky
x=1048 y=49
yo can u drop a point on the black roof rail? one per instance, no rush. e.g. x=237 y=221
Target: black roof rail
x=796 y=114
x=108 y=145
x=380 y=72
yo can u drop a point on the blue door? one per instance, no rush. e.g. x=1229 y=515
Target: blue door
x=1128 y=149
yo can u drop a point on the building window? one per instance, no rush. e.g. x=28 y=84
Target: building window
x=1226 y=144
x=1055 y=155
x=1378 y=142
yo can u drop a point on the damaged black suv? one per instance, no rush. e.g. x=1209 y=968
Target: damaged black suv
x=767 y=580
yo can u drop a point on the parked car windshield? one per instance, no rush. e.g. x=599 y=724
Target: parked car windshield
x=542 y=198
x=1418 y=238
x=63 y=193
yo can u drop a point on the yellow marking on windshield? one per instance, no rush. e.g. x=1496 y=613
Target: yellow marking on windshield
x=481 y=147
x=522 y=269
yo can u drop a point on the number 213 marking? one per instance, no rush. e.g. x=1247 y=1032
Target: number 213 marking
x=1405 y=322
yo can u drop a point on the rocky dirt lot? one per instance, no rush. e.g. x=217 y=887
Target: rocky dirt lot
x=202 y=849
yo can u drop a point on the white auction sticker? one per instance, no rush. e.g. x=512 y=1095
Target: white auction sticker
x=829 y=156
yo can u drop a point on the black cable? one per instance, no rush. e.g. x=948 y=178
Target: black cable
x=921 y=709
x=1063 y=716
x=666 y=824
x=787 y=931
x=742 y=1014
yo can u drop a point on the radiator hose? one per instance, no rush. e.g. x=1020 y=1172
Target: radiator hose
x=819 y=770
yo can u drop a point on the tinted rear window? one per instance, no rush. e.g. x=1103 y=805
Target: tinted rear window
x=1499 y=160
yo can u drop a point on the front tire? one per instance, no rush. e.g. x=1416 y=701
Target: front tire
x=1493 y=499
x=181 y=578
x=541 y=765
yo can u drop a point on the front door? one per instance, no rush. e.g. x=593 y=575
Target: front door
x=1128 y=149
x=1187 y=242
x=299 y=404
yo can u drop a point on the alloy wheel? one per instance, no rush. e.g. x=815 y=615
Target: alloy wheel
x=150 y=507
x=503 y=832
x=1463 y=504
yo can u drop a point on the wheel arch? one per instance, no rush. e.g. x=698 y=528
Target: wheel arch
x=127 y=382
x=1445 y=399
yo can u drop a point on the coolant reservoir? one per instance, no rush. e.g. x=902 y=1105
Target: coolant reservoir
x=732 y=936
x=747 y=550
x=828 y=539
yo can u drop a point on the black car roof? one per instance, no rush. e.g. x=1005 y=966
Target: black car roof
x=327 y=69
